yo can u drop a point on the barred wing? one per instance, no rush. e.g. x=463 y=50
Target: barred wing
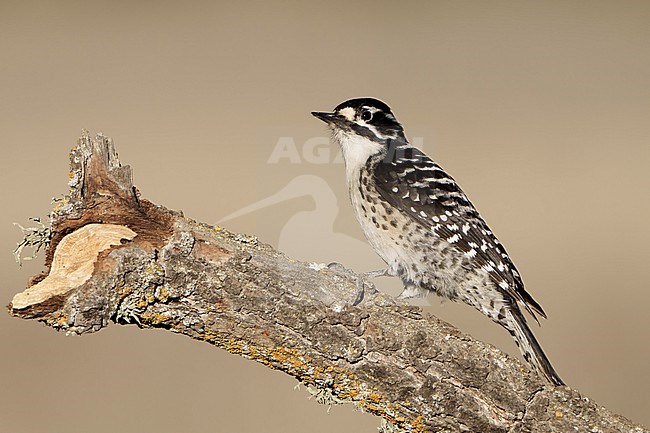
x=410 y=181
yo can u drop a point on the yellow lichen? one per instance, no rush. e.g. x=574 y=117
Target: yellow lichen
x=58 y=320
x=154 y=318
x=345 y=385
x=60 y=203
x=418 y=423
x=125 y=291
x=163 y=294
x=62 y=320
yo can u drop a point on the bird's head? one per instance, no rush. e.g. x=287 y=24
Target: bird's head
x=359 y=118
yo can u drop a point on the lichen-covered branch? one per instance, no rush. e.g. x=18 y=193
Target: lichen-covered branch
x=117 y=258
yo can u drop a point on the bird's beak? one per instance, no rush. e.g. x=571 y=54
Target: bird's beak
x=325 y=117
x=332 y=119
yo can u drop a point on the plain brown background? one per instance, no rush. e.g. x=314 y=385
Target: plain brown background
x=539 y=109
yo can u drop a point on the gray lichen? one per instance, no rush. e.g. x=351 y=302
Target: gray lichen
x=388 y=427
x=37 y=238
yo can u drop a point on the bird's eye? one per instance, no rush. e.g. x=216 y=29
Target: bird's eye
x=366 y=115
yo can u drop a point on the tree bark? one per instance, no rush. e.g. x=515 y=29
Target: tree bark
x=117 y=258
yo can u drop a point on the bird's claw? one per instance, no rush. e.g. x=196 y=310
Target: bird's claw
x=361 y=284
x=361 y=291
x=361 y=280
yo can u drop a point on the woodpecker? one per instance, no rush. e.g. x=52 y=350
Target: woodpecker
x=421 y=223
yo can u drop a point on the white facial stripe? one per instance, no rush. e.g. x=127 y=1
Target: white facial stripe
x=377 y=133
x=373 y=110
x=348 y=113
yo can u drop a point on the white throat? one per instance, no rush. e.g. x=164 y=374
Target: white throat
x=356 y=151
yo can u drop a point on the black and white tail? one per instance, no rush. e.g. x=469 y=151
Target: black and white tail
x=530 y=348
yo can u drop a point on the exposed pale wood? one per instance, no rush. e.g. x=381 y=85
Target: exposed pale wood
x=234 y=292
x=73 y=262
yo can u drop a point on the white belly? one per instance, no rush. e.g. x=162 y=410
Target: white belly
x=412 y=252
x=385 y=242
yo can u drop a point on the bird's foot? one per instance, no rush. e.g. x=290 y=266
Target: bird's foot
x=363 y=280
x=336 y=266
x=361 y=292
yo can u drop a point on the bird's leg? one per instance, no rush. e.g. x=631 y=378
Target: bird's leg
x=361 y=282
x=358 y=278
x=413 y=291
x=362 y=279
x=374 y=274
